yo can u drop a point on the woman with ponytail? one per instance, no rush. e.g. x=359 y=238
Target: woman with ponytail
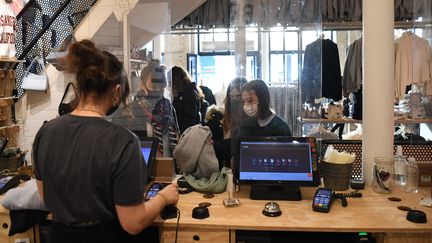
x=89 y=171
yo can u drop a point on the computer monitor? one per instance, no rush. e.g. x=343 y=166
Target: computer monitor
x=149 y=151
x=277 y=166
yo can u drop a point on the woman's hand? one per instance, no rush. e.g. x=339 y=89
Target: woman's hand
x=170 y=194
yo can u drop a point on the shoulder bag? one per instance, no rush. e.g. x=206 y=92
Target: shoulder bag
x=33 y=81
x=65 y=108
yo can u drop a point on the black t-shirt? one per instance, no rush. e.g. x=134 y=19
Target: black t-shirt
x=276 y=127
x=87 y=165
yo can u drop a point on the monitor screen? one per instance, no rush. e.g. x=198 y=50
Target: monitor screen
x=149 y=151
x=146 y=149
x=278 y=160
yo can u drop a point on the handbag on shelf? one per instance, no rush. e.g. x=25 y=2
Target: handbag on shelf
x=65 y=108
x=33 y=81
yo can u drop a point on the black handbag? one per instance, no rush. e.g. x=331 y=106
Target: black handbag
x=65 y=108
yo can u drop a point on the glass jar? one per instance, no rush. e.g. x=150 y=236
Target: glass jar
x=383 y=169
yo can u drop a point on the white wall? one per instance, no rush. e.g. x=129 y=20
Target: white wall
x=39 y=106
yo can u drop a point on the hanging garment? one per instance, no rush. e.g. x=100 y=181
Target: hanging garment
x=412 y=62
x=321 y=75
x=352 y=76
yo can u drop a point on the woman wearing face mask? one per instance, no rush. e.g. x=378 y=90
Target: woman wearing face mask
x=89 y=172
x=230 y=120
x=262 y=120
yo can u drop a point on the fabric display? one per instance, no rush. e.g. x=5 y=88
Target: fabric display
x=321 y=132
x=407 y=9
x=354 y=135
x=266 y=13
x=33 y=81
x=7 y=31
x=413 y=58
x=321 y=75
x=410 y=107
x=403 y=133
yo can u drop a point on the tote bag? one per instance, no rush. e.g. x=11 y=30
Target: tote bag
x=33 y=81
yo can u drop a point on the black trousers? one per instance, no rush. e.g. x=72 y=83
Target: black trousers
x=60 y=233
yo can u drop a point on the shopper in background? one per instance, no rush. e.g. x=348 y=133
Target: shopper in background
x=137 y=117
x=229 y=120
x=159 y=109
x=262 y=120
x=89 y=171
x=233 y=107
x=208 y=95
x=186 y=98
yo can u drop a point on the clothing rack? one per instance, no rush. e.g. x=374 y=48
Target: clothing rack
x=325 y=26
x=359 y=25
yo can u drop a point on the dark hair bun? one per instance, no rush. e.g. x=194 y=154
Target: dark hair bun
x=85 y=53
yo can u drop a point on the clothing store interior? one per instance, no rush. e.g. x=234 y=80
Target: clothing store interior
x=241 y=121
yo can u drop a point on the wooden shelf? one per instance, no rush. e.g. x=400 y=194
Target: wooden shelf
x=5 y=101
x=413 y=120
x=13 y=127
x=324 y=120
x=350 y=120
x=9 y=63
x=11 y=60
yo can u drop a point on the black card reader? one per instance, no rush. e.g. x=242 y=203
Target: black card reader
x=322 y=200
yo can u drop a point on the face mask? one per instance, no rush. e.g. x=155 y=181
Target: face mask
x=251 y=110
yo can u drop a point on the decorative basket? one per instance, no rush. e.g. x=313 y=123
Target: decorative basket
x=10 y=132
x=336 y=176
x=5 y=111
x=5 y=115
x=12 y=164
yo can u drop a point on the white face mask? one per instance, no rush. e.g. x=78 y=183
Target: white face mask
x=251 y=110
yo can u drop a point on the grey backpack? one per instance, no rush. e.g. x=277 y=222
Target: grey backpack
x=194 y=154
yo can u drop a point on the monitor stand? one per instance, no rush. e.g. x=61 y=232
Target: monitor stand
x=266 y=192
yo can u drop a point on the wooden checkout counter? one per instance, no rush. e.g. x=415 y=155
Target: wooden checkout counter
x=372 y=213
